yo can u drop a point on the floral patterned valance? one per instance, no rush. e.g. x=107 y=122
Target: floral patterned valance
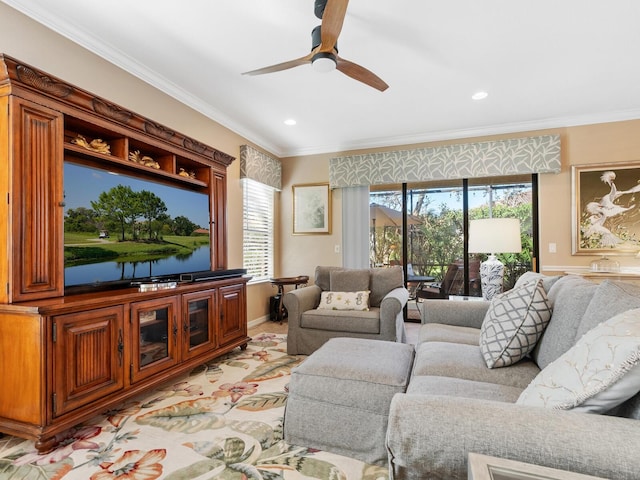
x=260 y=167
x=465 y=160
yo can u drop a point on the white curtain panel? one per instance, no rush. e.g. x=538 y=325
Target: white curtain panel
x=355 y=227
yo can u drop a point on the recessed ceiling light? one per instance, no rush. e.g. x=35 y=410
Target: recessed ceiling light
x=480 y=95
x=290 y=121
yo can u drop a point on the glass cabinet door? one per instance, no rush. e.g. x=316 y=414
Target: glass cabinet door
x=156 y=329
x=198 y=327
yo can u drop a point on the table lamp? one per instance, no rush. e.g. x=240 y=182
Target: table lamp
x=493 y=235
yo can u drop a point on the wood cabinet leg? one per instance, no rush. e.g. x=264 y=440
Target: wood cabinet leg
x=45 y=444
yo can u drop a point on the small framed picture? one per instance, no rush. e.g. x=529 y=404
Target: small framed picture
x=311 y=209
x=606 y=209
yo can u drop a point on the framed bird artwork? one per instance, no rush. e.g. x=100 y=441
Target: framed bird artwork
x=606 y=209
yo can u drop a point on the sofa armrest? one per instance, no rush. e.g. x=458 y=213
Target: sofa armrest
x=395 y=300
x=300 y=300
x=430 y=436
x=392 y=314
x=453 y=312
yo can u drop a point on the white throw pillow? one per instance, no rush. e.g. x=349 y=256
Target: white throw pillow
x=344 y=300
x=599 y=372
x=513 y=324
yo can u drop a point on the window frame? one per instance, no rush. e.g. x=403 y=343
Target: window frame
x=466 y=186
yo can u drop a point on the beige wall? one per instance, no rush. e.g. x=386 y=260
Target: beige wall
x=591 y=144
x=28 y=41
x=299 y=254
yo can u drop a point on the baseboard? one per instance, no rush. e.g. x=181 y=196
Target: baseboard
x=257 y=321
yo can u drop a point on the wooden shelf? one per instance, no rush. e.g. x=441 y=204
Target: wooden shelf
x=90 y=158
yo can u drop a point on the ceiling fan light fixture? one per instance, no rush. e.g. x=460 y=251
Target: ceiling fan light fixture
x=324 y=48
x=324 y=62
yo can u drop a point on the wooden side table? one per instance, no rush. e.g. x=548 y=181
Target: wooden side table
x=280 y=283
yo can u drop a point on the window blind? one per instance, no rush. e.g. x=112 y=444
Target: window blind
x=258 y=219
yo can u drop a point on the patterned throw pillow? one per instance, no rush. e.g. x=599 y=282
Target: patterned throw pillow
x=513 y=324
x=599 y=372
x=344 y=300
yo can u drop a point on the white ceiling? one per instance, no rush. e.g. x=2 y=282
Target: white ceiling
x=544 y=63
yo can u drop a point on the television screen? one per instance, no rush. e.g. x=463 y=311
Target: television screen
x=118 y=228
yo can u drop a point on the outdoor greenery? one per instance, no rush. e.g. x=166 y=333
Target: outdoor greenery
x=144 y=229
x=436 y=233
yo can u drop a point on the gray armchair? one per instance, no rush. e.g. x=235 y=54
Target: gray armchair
x=310 y=327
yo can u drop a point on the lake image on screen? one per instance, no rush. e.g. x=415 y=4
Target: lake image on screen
x=118 y=227
x=114 y=271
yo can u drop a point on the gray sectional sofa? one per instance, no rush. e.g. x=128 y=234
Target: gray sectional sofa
x=454 y=404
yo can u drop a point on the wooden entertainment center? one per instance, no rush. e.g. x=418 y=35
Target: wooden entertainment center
x=65 y=355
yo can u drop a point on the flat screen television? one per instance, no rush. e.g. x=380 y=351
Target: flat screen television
x=121 y=230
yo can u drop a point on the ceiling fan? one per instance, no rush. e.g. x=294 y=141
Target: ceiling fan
x=324 y=49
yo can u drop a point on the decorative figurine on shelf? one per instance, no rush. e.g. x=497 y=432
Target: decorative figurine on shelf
x=184 y=173
x=97 y=145
x=152 y=163
x=137 y=157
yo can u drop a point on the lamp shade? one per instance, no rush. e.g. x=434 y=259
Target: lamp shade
x=495 y=235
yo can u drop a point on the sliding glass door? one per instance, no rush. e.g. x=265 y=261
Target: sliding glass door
x=509 y=197
x=424 y=228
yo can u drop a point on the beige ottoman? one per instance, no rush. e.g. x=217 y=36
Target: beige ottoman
x=339 y=397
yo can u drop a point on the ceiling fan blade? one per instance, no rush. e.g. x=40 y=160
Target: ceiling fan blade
x=332 y=20
x=281 y=66
x=361 y=74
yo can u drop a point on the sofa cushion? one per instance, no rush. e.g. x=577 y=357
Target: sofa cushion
x=440 y=332
x=609 y=299
x=383 y=280
x=547 y=280
x=344 y=300
x=458 y=387
x=342 y=320
x=569 y=298
x=379 y=281
x=514 y=323
x=600 y=372
x=349 y=280
x=323 y=277
x=457 y=360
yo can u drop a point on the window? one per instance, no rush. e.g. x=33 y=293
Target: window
x=257 y=229
x=437 y=215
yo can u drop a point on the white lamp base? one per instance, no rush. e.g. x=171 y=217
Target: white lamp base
x=491 y=277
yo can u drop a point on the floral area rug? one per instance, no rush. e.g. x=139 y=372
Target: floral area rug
x=222 y=420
